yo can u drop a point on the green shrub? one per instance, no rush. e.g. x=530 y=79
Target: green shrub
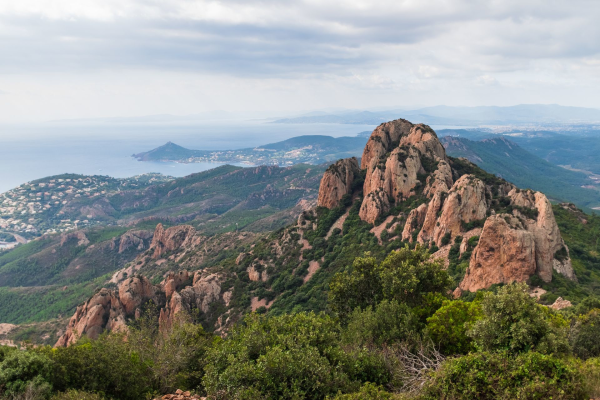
x=404 y=276
x=367 y=392
x=513 y=321
x=25 y=372
x=446 y=238
x=108 y=366
x=503 y=376
x=76 y=395
x=448 y=327
x=590 y=370
x=388 y=322
x=288 y=357
x=175 y=355
x=585 y=335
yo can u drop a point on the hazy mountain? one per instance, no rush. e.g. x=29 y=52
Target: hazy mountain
x=507 y=159
x=523 y=113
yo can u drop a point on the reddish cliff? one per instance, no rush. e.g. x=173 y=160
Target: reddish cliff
x=337 y=182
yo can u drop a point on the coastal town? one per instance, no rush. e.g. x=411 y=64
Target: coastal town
x=36 y=208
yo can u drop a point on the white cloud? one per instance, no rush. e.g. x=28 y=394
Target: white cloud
x=338 y=52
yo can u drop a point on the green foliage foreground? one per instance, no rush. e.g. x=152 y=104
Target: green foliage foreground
x=402 y=337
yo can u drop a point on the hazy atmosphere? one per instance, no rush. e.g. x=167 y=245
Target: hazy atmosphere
x=64 y=59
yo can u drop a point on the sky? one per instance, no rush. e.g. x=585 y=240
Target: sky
x=105 y=58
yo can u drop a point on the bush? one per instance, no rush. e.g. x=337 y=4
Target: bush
x=448 y=327
x=25 y=372
x=388 y=323
x=585 y=335
x=590 y=370
x=367 y=392
x=107 y=366
x=405 y=276
x=514 y=322
x=175 y=356
x=288 y=357
x=504 y=376
x=76 y=395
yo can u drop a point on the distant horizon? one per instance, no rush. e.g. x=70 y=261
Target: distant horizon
x=258 y=116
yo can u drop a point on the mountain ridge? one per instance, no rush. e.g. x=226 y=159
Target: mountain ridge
x=447 y=205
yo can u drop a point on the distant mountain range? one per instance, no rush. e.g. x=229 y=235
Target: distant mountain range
x=508 y=160
x=493 y=153
x=488 y=115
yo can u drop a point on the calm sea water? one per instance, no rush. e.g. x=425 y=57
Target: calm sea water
x=36 y=151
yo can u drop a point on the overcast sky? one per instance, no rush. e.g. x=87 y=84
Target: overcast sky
x=95 y=58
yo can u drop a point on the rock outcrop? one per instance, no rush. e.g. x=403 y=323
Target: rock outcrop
x=170 y=239
x=134 y=239
x=505 y=254
x=560 y=303
x=406 y=164
x=337 y=182
x=82 y=240
x=205 y=290
x=466 y=203
x=108 y=310
x=401 y=159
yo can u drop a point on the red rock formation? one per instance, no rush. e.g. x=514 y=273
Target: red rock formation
x=206 y=289
x=337 y=182
x=397 y=158
x=171 y=238
x=415 y=219
x=505 y=254
x=466 y=202
x=134 y=239
x=82 y=240
x=560 y=303
x=107 y=310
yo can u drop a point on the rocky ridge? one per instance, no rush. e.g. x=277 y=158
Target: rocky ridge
x=408 y=188
x=406 y=163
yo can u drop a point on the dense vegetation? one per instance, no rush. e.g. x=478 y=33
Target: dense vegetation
x=400 y=338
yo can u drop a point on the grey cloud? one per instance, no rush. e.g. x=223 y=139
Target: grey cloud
x=309 y=44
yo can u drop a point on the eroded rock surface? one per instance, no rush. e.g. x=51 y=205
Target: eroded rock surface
x=505 y=254
x=171 y=238
x=337 y=182
x=108 y=310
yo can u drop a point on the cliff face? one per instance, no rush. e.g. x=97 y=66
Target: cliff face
x=406 y=164
x=337 y=182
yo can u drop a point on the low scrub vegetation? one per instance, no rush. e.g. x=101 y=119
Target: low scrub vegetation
x=390 y=331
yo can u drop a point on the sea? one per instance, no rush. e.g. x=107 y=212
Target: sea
x=100 y=147
x=29 y=152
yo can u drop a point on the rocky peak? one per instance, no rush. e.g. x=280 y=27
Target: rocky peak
x=337 y=182
x=402 y=160
x=518 y=236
